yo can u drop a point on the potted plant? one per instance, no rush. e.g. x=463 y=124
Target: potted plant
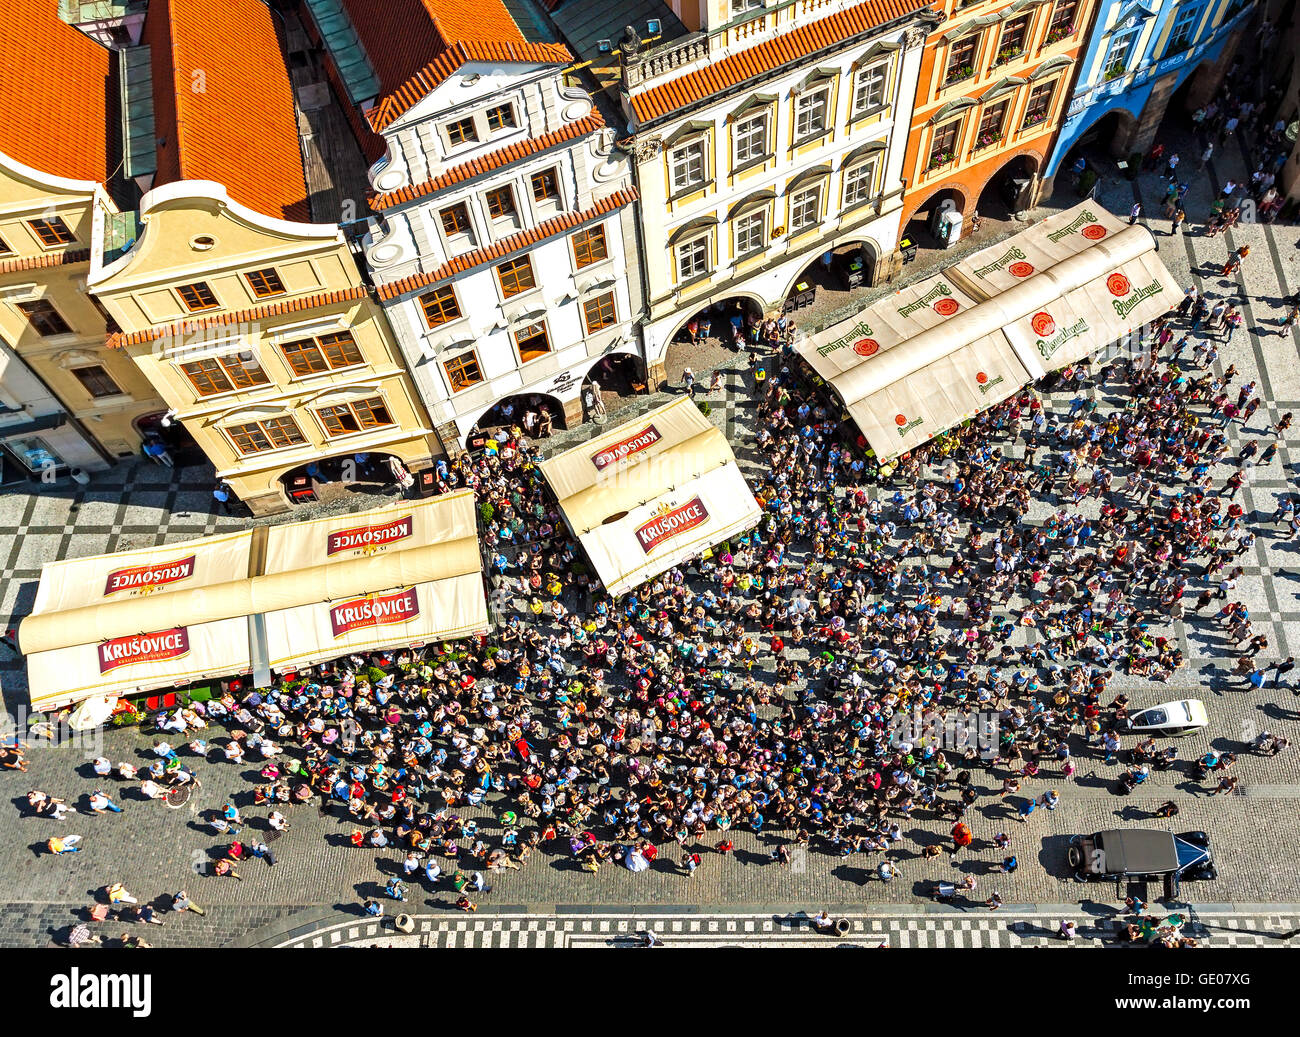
x=1056 y=35
x=941 y=159
x=1115 y=71
x=1009 y=54
x=1134 y=165
x=1086 y=182
x=958 y=74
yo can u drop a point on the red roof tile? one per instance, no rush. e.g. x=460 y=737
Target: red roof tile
x=549 y=229
x=223 y=103
x=490 y=161
x=259 y=313
x=58 y=92
x=13 y=266
x=415 y=45
x=674 y=94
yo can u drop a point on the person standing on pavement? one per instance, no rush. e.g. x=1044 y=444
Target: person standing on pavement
x=221 y=498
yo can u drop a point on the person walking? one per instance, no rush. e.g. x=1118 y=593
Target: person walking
x=101 y=803
x=221 y=498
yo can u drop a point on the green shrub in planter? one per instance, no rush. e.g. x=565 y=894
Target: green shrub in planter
x=1086 y=182
x=486 y=511
x=375 y=674
x=1135 y=161
x=706 y=408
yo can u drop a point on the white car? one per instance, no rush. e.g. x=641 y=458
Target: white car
x=1169 y=719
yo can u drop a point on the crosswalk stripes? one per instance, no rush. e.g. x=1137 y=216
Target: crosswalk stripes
x=1005 y=929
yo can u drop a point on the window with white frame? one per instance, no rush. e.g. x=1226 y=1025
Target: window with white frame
x=859 y=182
x=871 y=87
x=692 y=259
x=1116 y=61
x=750 y=136
x=810 y=110
x=751 y=232
x=741 y=6
x=1180 y=38
x=689 y=165
x=805 y=208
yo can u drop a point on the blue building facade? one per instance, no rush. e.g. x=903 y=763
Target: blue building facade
x=1138 y=54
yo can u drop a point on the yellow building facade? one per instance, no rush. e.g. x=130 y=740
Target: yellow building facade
x=261 y=337
x=57 y=329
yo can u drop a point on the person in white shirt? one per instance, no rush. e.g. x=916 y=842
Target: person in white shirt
x=152 y=789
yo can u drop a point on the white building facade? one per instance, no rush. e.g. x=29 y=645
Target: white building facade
x=502 y=243
x=773 y=134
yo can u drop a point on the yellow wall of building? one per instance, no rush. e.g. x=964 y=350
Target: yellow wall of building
x=23 y=198
x=199 y=236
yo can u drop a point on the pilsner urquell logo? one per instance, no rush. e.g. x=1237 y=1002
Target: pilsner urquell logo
x=1048 y=346
x=854 y=335
x=1126 y=306
x=145 y=579
x=369 y=539
x=1082 y=220
x=1004 y=260
x=905 y=426
x=669 y=522
x=984 y=383
x=648 y=436
x=935 y=296
x=140 y=648
x=375 y=610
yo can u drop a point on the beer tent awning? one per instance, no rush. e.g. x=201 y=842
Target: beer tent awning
x=272 y=597
x=917 y=363
x=651 y=493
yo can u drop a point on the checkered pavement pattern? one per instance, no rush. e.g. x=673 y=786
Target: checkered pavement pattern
x=978 y=927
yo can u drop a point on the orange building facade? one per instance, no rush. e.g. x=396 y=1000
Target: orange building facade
x=994 y=86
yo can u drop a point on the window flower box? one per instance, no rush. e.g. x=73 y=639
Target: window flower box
x=1008 y=54
x=1057 y=35
x=1114 y=72
x=987 y=140
x=1034 y=120
x=941 y=159
x=959 y=74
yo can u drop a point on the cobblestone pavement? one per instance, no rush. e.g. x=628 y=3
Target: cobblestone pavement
x=154 y=849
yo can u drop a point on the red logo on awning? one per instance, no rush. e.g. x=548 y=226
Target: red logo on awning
x=946 y=307
x=670 y=522
x=369 y=538
x=1118 y=286
x=648 y=436
x=1020 y=269
x=146 y=578
x=866 y=347
x=1094 y=232
x=1043 y=324
x=141 y=648
x=373 y=611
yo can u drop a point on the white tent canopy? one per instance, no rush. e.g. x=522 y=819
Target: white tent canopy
x=915 y=364
x=272 y=597
x=651 y=493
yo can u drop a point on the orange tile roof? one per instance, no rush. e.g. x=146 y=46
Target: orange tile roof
x=13 y=266
x=464 y=263
x=223 y=103
x=492 y=160
x=259 y=313
x=58 y=92
x=416 y=45
x=667 y=97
